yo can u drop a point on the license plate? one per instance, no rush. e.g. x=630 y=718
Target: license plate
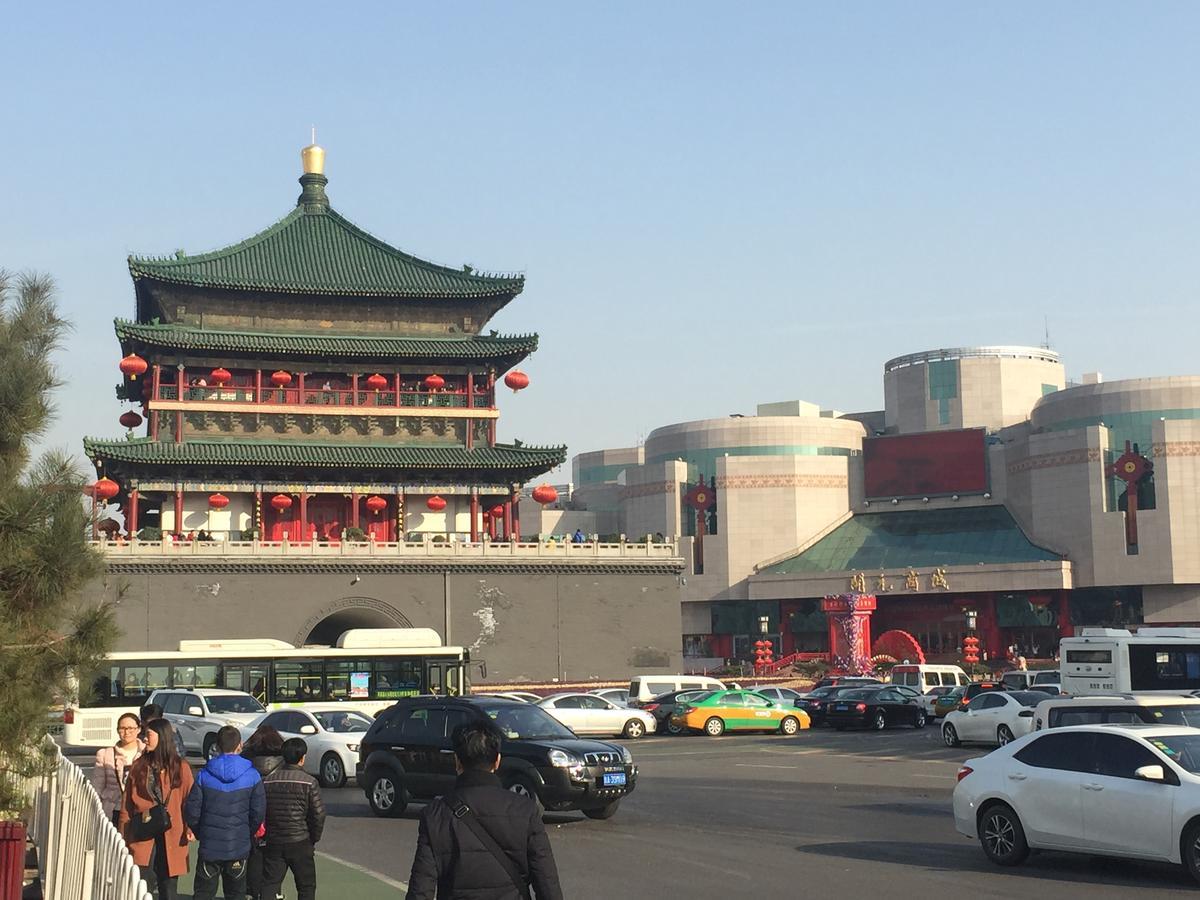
x=614 y=778
x=841 y=707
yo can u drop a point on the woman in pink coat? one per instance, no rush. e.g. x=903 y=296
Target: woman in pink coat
x=111 y=771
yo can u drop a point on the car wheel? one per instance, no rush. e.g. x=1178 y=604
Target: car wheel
x=789 y=725
x=523 y=786
x=919 y=722
x=1003 y=735
x=950 y=735
x=634 y=729
x=385 y=794
x=333 y=773
x=1189 y=849
x=672 y=728
x=1001 y=835
x=714 y=727
x=602 y=812
x=209 y=750
x=880 y=721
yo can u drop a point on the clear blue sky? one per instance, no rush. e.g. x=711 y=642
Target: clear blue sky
x=715 y=204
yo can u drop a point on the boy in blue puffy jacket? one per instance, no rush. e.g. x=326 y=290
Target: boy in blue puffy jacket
x=224 y=810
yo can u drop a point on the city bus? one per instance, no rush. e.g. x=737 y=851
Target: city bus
x=370 y=668
x=1117 y=661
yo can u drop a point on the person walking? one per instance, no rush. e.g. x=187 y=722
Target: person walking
x=481 y=842
x=295 y=820
x=111 y=770
x=264 y=749
x=224 y=809
x=151 y=818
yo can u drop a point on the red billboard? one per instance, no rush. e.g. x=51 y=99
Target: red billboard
x=926 y=464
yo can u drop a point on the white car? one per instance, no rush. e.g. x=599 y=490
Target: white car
x=995 y=717
x=332 y=734
x=619 y=696
x=198 y=714
x=523 y=696
x=1114 y=790
x=781 y=695
x=589 y=714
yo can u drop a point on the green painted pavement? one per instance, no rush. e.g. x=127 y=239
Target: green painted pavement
x=334 y=879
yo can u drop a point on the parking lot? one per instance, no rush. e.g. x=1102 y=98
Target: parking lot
x=824 y=811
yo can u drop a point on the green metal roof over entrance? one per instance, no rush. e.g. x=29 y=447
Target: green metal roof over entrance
x=918 y=538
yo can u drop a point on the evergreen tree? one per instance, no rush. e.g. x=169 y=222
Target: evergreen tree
x=46 y=632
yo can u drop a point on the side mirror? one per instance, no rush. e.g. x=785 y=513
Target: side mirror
x=308 y=729
x=195 y=710
x=1150 y=773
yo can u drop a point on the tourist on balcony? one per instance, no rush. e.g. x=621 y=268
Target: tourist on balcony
x=578 y=537
x=111 y=771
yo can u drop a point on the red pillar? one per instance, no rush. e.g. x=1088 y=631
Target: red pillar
x=508 y=519
x=515 y=505
x=156 y=379
x=131 y=524
x=474 y=518
x=354 y=390
x=180 y=387
x=304 y=535
x=989 y=628
x=398 y=383
x=1065 y=628
x=258 y=385
x=179 y=511
x=300 y=387
x=354 y=509
x=833 y=636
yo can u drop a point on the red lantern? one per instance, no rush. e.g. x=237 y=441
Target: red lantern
x=517 y=380
x=544 y=494
x=105 y=489
x=218 y=501
x=281 y=378
x=376 y=382
x=133 y=366
x=497 y=511
x=435 y=382
x=436 y=503
x=130 y=419
x=376 y=504
x=280 y=502
x=220 y=376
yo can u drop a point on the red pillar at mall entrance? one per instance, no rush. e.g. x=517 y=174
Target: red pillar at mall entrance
x=1065 y=628
x=989 y=627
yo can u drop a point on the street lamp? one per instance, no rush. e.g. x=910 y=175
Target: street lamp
x=972 y=619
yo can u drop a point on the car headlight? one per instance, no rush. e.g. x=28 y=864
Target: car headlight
x=563 y=760
x=353 y=748
x=626 y=755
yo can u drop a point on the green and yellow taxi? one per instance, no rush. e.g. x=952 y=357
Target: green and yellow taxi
x=720 y=711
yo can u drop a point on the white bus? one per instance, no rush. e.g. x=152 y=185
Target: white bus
x=1113 y=660
x=369 y=668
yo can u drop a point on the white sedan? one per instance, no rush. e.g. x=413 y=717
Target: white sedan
x=589 y=714
x=1128 y=790
x=995 y=717
x=332 y=735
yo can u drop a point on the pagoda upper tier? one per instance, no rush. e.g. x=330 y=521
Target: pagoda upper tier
x=314 y=270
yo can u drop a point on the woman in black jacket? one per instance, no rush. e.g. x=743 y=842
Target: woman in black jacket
x=264 y=749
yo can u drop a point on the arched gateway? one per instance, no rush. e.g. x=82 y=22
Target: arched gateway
x=327 y=624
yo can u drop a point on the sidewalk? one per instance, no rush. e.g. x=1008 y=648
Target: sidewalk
x=333 y=880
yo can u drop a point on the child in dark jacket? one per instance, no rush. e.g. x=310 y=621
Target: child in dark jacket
x=295 y=820
x=226 y=806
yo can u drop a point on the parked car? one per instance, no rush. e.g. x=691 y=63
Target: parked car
x=930 y=697
x=198 y=714
x=943 y=705
x=949 y=701
x=663 y=708
x=720 y=711
x=846 y=681
x=1126 y=709
x=333 y=736
x=1114 y=790
x=619 y=696
x=1053 y=690
x=783 y=695
x=994 y=717
x=876 y=708
x=523 y=696
x=643 y=688
x=406 y=755
x=589 y=714
x=813 y=702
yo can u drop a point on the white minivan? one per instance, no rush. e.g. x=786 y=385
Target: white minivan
x=924 y=677
x=646 y=687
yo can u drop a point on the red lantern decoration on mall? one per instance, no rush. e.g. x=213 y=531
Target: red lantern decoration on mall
x=545 y=493
x=517 y=380
x=105 y=489
x=130 y=419
x=436 y=503
x=497 y=511
x=281 y=378
x=971 y=650
x=435 y=382
x=280 y=502
x=133 y=366
x=376 y=382
x=218 y=501
x=376 y=504
x=220 y=376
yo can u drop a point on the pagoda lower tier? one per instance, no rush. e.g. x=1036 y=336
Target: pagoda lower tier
x=303 y=491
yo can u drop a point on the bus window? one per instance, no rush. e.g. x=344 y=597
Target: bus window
x=194 y=675
x=298 y=681
x=348 y=679
x=395 y=678
x=139 y=682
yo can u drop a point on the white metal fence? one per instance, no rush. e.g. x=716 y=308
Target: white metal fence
x=81 y=856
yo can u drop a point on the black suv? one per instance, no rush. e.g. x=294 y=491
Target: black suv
x=406 y=755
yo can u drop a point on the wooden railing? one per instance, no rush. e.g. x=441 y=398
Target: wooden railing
x=327 y=397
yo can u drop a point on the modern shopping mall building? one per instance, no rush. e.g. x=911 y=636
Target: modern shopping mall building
x=988 y=487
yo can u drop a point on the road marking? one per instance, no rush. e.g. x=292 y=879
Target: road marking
x=390 y=882
x=758 y=766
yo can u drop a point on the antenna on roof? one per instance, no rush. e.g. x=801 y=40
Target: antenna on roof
x=1046 y=342
x=314 y=134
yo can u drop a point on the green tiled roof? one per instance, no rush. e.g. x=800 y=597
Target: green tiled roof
x=465 y=347
x=301 y=454
x=314 y=250
x=919 y=538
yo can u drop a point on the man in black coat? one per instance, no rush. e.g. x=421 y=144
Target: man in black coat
x=295 y=821
x=481 y=842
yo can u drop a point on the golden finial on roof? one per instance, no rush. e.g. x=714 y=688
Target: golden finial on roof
x=312 y=157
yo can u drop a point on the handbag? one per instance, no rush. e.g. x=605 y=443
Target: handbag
x=463 y=813
x=156 y=820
